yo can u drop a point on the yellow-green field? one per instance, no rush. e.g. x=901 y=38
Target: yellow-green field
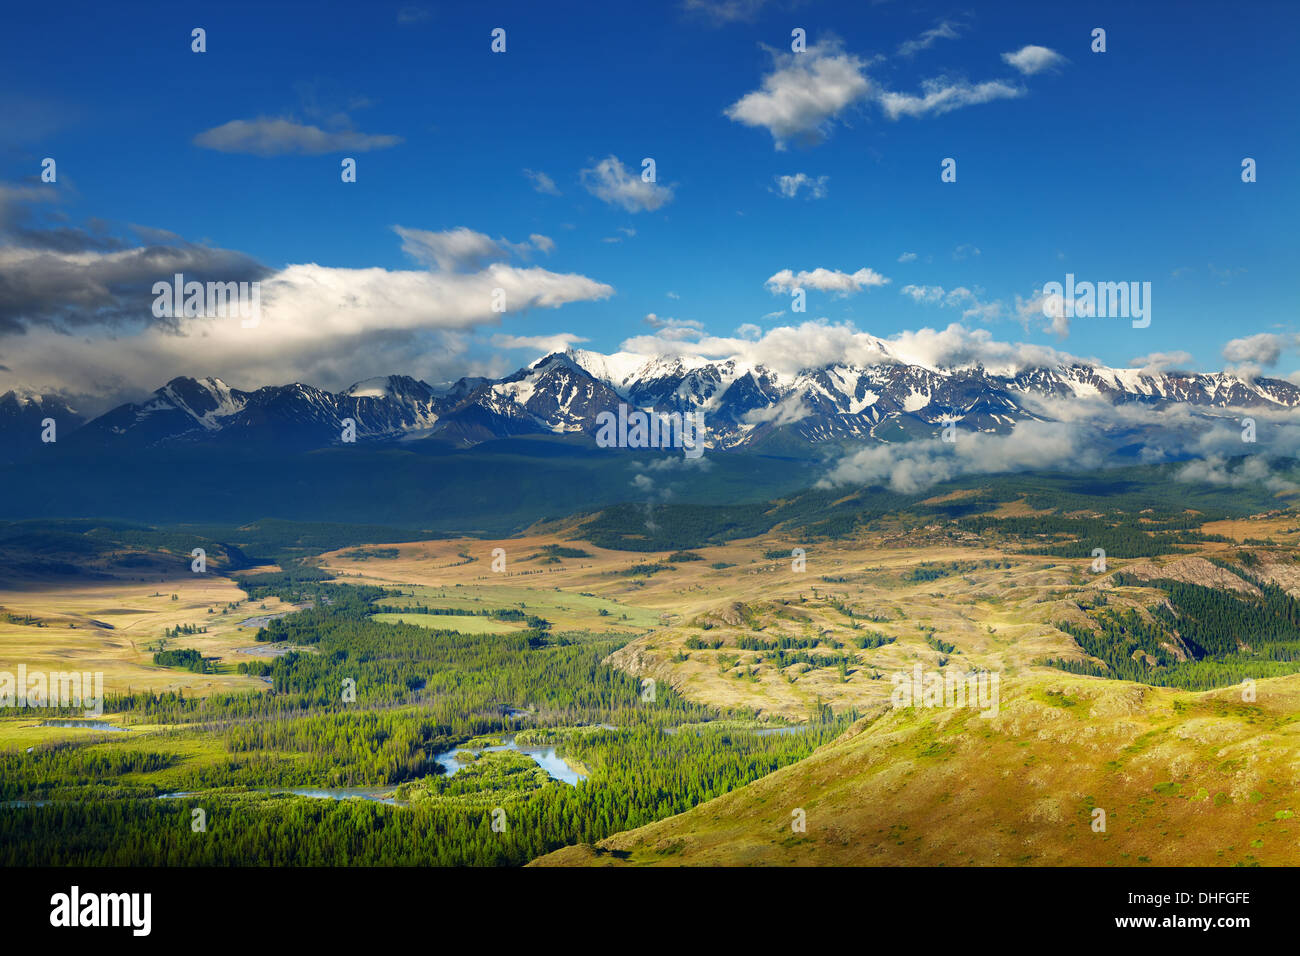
x=464 y=623
x=114 y=626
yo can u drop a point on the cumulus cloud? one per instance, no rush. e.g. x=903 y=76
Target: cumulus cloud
x=813 y=188
x=907 y=257
x=75 y=289
x=1034 y=59
x=610 y=182
x=803 y=94
x=1162 y=361
x=279 y=136
x=326 y=325
x=789 y=349
x=825 y=280
x=1263 y=349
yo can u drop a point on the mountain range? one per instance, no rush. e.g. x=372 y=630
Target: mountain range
x=745 y=405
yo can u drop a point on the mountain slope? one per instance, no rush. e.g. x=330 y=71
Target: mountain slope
x=21 y=422
x=1184 y=779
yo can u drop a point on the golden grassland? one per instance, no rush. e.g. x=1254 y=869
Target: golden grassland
x=112 y=625
x=999 y=616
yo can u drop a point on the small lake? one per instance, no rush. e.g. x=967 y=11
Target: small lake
x=263 y=620
x=86 y=725
x=268 y=650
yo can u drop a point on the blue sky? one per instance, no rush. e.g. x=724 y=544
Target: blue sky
x=1115 y=166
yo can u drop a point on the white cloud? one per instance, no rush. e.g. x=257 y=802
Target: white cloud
x=669 y=323
x=960 y=297
x=907 y=257
x=458 y=249
x=803 y=94
x=1215 y=470
x=790 y=349
x=452 y=250
x=542 y=183
x=825 y=280
x=787 y=411
x=1047 y=309
x=609 y=181
x=326 y=325
x=914 y=466
x=931 y=294
x=789 y=186
x=943 y=30
x=1264 y=349
x=545 y=344
x=276 y=136
x=1162 y=361
x=943 y=95
x=1034 y=59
